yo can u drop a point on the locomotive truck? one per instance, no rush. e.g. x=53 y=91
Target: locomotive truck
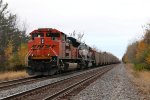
x=51 y=51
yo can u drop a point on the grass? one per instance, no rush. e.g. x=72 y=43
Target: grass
x=12 y=75
x=140 y=78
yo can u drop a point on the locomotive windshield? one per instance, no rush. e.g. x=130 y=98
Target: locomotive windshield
x=52 y=35
x=37 y=35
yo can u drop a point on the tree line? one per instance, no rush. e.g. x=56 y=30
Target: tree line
x=138 y=52
x=13 y=40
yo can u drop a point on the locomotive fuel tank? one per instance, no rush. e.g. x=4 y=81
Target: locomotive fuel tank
x=71 y=66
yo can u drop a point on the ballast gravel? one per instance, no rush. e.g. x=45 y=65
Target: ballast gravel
x=19 y=89
x=114 y=85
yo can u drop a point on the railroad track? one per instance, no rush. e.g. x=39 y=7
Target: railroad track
x=73 y=89
x=25 y=81
x=11 y=83
x=5 y=85
x=61 y=88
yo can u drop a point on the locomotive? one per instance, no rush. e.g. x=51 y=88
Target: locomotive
x=51 y=51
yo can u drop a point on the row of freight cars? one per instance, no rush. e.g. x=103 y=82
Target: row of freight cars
x=104 y=58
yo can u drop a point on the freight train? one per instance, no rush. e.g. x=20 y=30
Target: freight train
x=51 y=51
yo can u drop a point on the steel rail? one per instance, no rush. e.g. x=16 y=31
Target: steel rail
x=28 y=92
x=11 y=83
x=15 y=81
x=74 y=86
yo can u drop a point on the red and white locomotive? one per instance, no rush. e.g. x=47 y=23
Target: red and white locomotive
x=51 y=51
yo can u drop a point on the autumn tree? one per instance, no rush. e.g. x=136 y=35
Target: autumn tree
x=9 y=29
x=147 y=41
x=22 y=53
x=12 y=37
x=130 y=53
x=7 y=25
x=9 y=54
x=139 y=52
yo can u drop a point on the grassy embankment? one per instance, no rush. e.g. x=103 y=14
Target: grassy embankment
x=140 y=78
x=12 y=75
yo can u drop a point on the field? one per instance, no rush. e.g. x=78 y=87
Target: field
x=140 y=78
x=12 y=75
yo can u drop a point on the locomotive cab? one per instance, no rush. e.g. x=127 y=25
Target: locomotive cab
x=45 y=42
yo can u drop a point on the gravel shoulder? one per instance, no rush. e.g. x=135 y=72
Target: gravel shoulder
x=114 y=85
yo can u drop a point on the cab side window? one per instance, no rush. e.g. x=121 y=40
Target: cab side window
x=63 y=37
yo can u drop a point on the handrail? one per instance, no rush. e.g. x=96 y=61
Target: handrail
x=54 y=51
x=26 y=57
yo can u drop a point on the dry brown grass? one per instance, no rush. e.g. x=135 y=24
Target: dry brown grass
x=13 y=75
x=140 y=78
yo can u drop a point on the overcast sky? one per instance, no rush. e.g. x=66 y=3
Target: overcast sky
x=110 y=25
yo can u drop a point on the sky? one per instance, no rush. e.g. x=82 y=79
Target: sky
x=110 y=25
